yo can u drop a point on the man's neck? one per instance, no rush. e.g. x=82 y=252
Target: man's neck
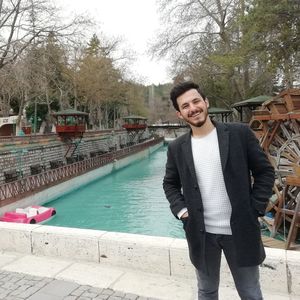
x=205 y=129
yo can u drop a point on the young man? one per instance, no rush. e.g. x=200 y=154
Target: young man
x=218 y=181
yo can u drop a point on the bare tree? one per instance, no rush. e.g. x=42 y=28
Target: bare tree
x=26 y=22
x=7 y=90
x=189 y=25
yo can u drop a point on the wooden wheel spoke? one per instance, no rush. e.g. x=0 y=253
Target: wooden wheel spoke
x=280 y=139
x=296 y=127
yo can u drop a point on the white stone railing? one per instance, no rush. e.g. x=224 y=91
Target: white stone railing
x=280 y=273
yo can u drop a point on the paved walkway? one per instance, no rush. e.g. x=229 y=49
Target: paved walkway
x=33 y=277
x=45 y=278
x=16 y=286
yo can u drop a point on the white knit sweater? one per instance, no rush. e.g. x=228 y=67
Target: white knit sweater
x=216 y=203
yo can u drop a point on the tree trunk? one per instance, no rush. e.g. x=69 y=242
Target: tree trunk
x=24 y=100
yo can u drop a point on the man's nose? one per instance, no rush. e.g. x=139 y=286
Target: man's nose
x=193 y=106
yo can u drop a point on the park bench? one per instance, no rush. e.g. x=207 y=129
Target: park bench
x=54 y=164
x=36 y=169
x=11 y=175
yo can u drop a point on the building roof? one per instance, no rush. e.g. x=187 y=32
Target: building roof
x=218 y=110
x=134 y=117
x=256 y=101
x=69 y=112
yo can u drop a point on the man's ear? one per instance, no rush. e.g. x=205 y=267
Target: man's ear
x=179 y=114
x=207 y=102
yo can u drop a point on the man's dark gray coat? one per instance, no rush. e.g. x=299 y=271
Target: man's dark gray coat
x=248 y=177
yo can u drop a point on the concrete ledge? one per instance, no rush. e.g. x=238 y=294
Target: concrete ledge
x=293 y=272
x=66 y=242
x=16 y=237
x=273 y=270
x=180 y=264
x=280 y=272
x=145 y=253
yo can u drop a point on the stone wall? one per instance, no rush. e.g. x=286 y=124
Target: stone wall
x=19 y=157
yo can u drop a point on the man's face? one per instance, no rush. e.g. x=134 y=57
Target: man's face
x=192 y=108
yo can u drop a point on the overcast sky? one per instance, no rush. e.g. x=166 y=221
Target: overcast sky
x=135 y=20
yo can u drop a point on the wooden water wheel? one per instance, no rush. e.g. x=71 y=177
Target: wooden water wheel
x=277 y=126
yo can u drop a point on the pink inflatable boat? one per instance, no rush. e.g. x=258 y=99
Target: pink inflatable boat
x=31 y=214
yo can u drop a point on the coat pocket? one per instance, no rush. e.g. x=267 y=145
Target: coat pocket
x=185 y=222
x=254 y=216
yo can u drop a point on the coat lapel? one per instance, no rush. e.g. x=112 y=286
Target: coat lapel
x=188 y=155
x=223 y=138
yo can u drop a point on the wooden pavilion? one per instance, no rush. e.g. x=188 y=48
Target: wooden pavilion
x=135 y=126
x=246 y=107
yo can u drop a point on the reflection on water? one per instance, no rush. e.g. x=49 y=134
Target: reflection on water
x=129 y=200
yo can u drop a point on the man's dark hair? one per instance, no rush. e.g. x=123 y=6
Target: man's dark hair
x=181 y=88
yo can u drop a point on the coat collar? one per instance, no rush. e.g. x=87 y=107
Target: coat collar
x=223 y=139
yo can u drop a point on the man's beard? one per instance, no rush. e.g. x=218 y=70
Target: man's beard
x=199 y=123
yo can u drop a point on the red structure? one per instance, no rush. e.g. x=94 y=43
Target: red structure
x=135 y=126
x=70 y=122
x=70 y=125
x=134 y=122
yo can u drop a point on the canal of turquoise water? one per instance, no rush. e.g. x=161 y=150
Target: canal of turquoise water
x=129 y=200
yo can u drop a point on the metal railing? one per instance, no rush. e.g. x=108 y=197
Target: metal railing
x=26 y=186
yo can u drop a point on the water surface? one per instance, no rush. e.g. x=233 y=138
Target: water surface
x=128 y=200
